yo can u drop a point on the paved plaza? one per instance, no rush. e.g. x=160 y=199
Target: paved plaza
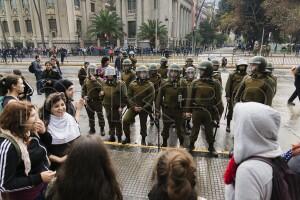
x=134 y=163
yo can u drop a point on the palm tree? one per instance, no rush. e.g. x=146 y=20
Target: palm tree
x=106 y=26
x=147 y=32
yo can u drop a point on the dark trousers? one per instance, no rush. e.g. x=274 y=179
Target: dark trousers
x=114 y=120
x=92 y=108
x=295 y=94
x=129 y=119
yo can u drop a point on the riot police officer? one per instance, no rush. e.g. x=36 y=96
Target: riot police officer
x=140 y=98
x=91 y=92
x=171 y=97
x=190 y=76
x=127 y=74
x=155 y=78
x=269 y=71
x=163 y=70
x=114 y=100
x=257 y=87
x=216 y=73
x=204 y=104
x=188 y=63
x=232 y=86
x=133 y=59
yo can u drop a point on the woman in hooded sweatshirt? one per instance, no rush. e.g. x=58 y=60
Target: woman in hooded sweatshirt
x=256 y=129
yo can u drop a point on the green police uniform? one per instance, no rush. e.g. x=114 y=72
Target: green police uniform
x=140 y=94
x=128 y=77
x=273 y=78
x=92 y=89
x=163 y=69
x=217 y=76
x=232 y=85
x=171 y=97
x=205 y=103
x=82 y=74
x=257 y=87
x=216 y=73
x=115 y=97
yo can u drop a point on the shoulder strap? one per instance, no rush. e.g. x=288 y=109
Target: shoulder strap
x=14 y=143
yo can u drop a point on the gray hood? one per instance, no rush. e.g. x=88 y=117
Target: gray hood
x=255 y=129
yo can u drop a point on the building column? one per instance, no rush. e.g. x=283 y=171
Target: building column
x=138 y=16
x=124 y=8
x=10 y=23
x=34 y=24
x=118 y=9
x=59 y=34
x=71 y=19
x=21 y=24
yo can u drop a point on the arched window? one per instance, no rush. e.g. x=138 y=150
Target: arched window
x=77 y=4
x=25 y=3
x=50 y=3
x=1 y=4
x=13 y=4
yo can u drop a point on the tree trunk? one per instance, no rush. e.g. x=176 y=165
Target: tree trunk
x=38 y=12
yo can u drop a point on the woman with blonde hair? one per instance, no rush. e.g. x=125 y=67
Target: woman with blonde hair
x=174 y=177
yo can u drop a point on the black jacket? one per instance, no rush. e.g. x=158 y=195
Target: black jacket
x=12 y=169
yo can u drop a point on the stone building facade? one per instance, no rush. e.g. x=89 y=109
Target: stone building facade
x=177 y=15
x=65 y=22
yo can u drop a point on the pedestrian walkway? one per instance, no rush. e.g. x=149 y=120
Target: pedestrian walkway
x=134 y=166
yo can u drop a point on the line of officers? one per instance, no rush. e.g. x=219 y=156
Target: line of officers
x=177 y=94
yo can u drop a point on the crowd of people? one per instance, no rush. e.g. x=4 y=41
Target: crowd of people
x=42 y=149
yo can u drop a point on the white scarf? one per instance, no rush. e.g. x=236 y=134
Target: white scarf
x=23 y=148
x=63 y=129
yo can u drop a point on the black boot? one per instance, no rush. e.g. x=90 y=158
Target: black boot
x=112 y=137
x=119 y=138
x=212 y=151
x=143 y=142
x=192 y=146
x=181 y=142
x=126 y=141
x=102 y=131
x=165 y=142
x=92 y=130
x=228 y=126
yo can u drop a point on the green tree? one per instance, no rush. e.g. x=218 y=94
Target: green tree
x=106 y=26
x=147 y=32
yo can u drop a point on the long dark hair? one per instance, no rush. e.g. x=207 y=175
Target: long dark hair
x=52 y=99
x=8 y=81
x=87 y=173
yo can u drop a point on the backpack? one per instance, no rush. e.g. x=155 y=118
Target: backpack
x=1 y=103
x=31 y=68
x=285 y=182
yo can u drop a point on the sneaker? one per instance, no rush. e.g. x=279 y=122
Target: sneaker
x=291 y=104
x=102 y=131
x=126 y=141
x=92 y=131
